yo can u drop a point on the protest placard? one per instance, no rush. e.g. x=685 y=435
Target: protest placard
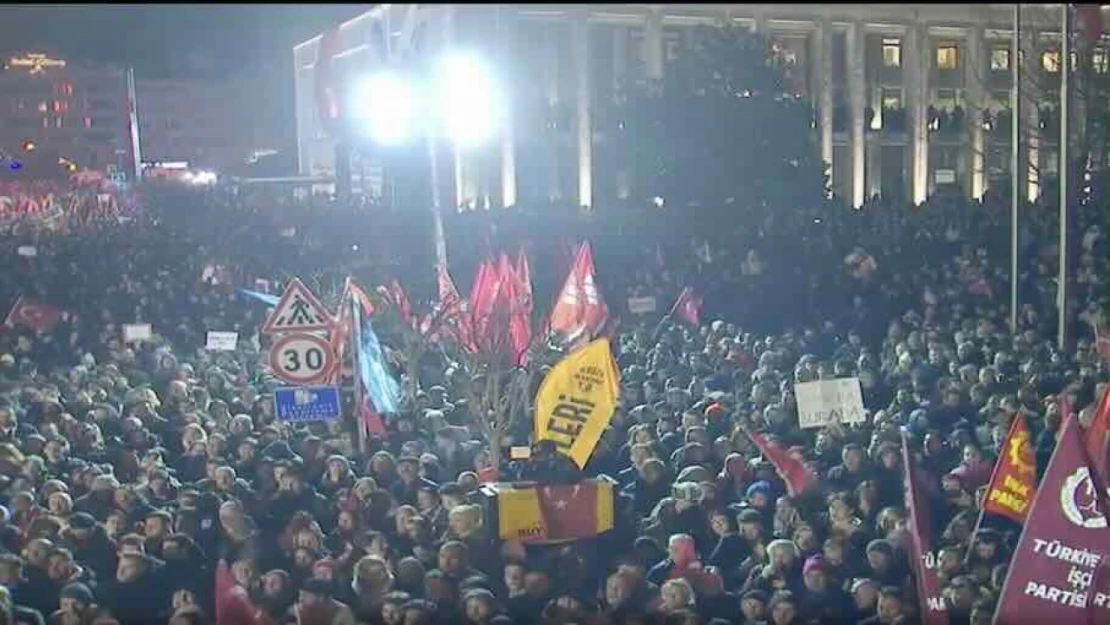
x=825 y=402
x=641 y=305
x=221 y=341
x=136 y=332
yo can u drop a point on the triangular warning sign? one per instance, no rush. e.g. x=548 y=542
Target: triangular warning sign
x=298 y=310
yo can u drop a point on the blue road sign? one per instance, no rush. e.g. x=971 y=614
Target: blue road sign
x=307 y=403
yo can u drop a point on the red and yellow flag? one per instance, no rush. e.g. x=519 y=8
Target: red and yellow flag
x=1014 y=481
x=555 y=513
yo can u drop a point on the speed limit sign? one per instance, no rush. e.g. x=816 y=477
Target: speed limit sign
x=301 y=358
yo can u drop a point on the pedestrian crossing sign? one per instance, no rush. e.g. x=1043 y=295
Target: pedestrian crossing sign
x=298 y=310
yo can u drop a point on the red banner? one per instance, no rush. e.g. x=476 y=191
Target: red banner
x=792 y=471
x=1056 y=574
x=922 y=559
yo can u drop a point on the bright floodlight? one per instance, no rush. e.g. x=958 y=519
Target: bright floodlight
x=467 y=99
x=384 y=103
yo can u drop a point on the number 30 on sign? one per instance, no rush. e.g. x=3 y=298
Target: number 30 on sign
x=301 y=358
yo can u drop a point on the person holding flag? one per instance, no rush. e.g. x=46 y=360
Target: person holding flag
x=1014 y=480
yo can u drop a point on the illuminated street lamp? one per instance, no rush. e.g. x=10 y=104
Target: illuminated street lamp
x=456 y=101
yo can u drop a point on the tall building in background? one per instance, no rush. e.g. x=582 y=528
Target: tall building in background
x=909 y=99
x=88 y=115
x=65 y=109
x=212 y=124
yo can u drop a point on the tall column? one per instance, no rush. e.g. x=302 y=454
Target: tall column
x=580 y=50
x=507 y=25
x=824 y=94
x=916 y=74
x=620 y=74
x=551 y=47
x=620 y=56
x=654 y=53
x=857 y=103
x=1031 y=124
x=759 y=23
x=975 y=71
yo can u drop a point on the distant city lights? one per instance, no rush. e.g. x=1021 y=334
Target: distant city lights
x=35 y=63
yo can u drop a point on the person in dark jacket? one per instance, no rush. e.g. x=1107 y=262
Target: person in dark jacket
x=819 y=601
x=731 y=548
x=137 y=593
x=90 y=545
x=409 y=482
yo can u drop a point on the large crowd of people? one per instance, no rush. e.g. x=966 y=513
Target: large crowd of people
x=150 y=482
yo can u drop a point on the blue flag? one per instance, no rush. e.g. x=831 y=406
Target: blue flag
x=384 y=391
x=269 y=300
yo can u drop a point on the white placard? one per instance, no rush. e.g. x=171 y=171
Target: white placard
x=135 y=332
x=27 y=251
x=221 y=341
x=641 y=305
x=829 y=401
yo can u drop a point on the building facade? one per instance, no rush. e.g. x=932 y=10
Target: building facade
x=909 y=100
x=74 y=112
x=211 y=124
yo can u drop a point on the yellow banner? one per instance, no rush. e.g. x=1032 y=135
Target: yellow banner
x=577 y=400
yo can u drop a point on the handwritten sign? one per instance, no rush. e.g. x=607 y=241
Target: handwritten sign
x=829 y=401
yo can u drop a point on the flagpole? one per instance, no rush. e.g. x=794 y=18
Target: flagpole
x=1015 y=164
x=1065 y=101
x=356 y=370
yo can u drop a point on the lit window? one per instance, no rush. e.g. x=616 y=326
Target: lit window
x=88 y=122
x=1099 y=61
x=42 y=107
x=892 y=52
x=1050 y=61
x=1000 y=59
x=948 y=57
x=892 y=99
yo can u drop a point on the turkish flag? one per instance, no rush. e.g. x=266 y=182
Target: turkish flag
x=569 y=512
x=687 y=307
x=37 y=316
x=580 y=312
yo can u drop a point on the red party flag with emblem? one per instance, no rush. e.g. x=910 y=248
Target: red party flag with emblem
x=1058 y=573
x=1014 y=481
x=930 y=602
x=524 y=274
x=580 y=311
x=687 y=307
x=32 y=314
x=1097 y=437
